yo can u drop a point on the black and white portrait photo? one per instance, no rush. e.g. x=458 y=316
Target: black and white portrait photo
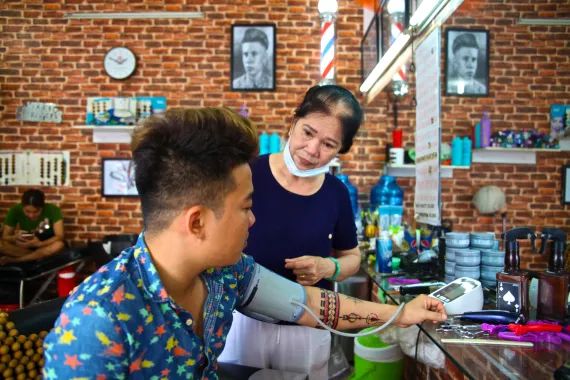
x=253 y=57
x=467 y=62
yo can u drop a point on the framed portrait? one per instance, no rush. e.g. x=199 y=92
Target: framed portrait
x=566 y=185
x=118 y=178
x=394 y=20
x=370 y=48
x=467 y=62
x=253 y=57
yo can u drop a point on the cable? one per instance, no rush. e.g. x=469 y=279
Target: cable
x=349 y=334
x=416 y=356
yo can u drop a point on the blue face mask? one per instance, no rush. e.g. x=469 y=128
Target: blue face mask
x=293 y=169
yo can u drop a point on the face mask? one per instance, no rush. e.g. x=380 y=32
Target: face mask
x=296 y=171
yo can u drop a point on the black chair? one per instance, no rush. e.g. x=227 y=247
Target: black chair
x=38 y=317
x=49 y=267
x=115 y=244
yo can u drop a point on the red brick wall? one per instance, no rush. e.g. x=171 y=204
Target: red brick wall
x=44 y=57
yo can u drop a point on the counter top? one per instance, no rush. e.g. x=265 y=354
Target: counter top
x=483 y=361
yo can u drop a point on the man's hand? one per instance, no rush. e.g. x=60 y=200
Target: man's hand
x=5 y=260
x=420 y=309
x=310 y=269
x=32 y=242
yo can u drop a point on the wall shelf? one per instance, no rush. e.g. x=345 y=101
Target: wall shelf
x=110 y=133
x=508 y=155
x=410 y=170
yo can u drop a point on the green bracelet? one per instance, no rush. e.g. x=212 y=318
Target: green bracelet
x=337 y=269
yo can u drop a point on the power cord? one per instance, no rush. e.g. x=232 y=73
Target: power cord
x=416 y=356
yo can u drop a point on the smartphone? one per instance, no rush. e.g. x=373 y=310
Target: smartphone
x=27 y=236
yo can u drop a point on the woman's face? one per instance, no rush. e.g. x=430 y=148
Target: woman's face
x=315 y=141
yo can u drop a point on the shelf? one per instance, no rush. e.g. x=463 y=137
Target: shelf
x=410 y=170
x=565 y=144
x=109 y=133
x=508 y=155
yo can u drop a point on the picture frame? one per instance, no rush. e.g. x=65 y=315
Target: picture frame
x=370 y=48
x=118 y=178
x=565 y=196
x=253 y=57
x=467 y=62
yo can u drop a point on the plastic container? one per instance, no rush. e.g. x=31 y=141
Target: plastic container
x=352 y=192
x=457 y=240
x=447 y=278
x=374 y=359
x=384 y=253
x=386 y=192
x=466 y=152
x=489 y=273
x=450 y=254
x=482 y=240
x=477 y=137
x=275 y=143
x=491 y=257
x=471 y=272
x=450 y=268
x=468 y=257
x=457 y=151
x=485 y=130
x=264 y=144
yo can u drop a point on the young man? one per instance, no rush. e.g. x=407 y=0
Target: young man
x=255 y=61
x=465 y=57
x=33 y=230
x=164 y=307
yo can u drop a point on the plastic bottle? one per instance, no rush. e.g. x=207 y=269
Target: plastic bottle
x=384 y=253
x=264 y=144
x=275 y=143
x=386 y=192
x=457 y=151
x=243 y=111
x=466 y=152
x=352 y=192
x=485 y=130
x=477 y=137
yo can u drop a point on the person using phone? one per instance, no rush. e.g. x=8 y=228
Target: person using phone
x=33 y=230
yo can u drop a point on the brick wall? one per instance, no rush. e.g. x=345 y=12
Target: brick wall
x=45 y=57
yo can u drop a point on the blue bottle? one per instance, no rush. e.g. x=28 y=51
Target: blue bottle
x=386 y=192
x=384 y=253
x=352 y=192
x=264 y=143
x=274 y=143
x=457 y=151
x=466 y=159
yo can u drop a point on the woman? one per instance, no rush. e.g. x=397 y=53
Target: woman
x=301 y=210
x=33 y=230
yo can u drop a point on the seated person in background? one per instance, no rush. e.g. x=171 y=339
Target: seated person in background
x=33 y=230
x=163 y=308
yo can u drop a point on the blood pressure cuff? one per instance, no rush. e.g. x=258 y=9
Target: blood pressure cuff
x=269 y=297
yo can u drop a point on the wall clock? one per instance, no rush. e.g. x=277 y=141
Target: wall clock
x=120 y=63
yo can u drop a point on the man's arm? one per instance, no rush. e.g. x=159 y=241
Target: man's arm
x=341 y=312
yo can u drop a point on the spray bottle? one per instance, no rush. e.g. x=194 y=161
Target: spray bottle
x=553 y=284
x=512 y=283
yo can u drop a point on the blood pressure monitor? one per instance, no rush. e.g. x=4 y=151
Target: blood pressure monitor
x=460 y=296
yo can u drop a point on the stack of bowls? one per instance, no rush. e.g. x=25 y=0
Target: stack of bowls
x=492 y=261
x=467 y=263
x=454 y=241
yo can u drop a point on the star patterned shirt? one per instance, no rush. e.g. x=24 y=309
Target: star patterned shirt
x=120 y=323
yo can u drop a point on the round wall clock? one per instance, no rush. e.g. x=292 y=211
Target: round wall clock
x=119 y=63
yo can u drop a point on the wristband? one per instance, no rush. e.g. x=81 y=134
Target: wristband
x=337 y=269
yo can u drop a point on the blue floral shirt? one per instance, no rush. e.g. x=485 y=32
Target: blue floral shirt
x=120 y=323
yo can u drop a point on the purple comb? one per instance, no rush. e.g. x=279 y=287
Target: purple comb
x=494 y=329
x=402 y=281
x=531 y=337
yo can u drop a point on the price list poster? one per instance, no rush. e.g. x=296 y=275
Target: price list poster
x=428 y=130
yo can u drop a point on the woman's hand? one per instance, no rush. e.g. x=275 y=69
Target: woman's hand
x=310 y=269
x=420 y=309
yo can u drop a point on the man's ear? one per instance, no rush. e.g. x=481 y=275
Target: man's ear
x=195 y=221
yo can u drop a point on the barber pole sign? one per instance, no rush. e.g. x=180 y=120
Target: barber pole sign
x=327 y=51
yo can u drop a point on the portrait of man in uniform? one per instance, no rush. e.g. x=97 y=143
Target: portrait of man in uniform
x=467 y=62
